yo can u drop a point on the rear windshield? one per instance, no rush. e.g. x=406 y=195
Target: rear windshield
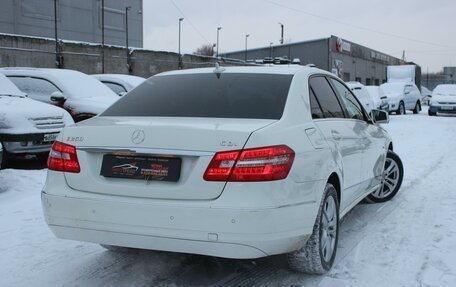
x=227 y=95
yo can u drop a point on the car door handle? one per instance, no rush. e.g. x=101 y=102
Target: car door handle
x=336 y=135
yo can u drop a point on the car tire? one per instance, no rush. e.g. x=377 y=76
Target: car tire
x=401 y=109
x=4 y=159
x=392 y=176
x=314 y=258
x=417 y=108
x=431 y=113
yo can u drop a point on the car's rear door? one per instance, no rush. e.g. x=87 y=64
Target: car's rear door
x=370 y=138
x=342 y=134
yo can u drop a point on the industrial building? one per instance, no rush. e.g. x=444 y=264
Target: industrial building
x=76 y=20
x=348 y=60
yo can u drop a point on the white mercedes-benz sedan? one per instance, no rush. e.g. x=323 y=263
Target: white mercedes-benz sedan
x=236 y=162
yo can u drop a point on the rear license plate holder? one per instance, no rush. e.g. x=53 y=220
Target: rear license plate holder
x=50 y=137
x=141 y=167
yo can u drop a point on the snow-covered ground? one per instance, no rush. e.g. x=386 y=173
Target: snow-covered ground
x=409 y=241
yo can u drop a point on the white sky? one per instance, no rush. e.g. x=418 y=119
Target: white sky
x=430 y=26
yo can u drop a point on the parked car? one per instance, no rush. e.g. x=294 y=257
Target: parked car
x=426 y=95
x=118 y=83
x=362 y=94
x=237 y=162
x=27 y=126
x=81 y=95
x=402 y=96
x=443 y=100
x=380 y=100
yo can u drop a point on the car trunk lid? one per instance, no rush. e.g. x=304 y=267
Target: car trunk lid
x=193 y=141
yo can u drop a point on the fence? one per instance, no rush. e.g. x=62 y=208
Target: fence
x=24 y=51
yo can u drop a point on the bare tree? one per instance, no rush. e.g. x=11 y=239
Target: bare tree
x=205 y=50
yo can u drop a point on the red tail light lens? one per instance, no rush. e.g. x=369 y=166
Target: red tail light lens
x=256 y=164
x=63 y=157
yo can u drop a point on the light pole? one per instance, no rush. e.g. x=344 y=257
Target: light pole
x=128 y=8
x=218 y=30
x=180 y=56
x=245 y=55
x=102 y=38
x=57 y=52
x=281 y=33
x=270 y=49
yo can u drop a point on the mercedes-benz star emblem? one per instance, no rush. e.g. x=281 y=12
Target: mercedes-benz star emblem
x=138 y=136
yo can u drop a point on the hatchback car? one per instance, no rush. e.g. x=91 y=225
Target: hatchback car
x=118 y=83
x=80 y=94
x=402 y=96
x=443 y=100
x=27 y=126
x=238 y=162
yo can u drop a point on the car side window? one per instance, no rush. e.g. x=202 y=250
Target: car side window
x=116 y=88
x=36 y=88
x=352 y=106
x=315 y=108
x=326 y=97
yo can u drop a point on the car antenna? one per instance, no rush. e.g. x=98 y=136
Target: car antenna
x=218 y=70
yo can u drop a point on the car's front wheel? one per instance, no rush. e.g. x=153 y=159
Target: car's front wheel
x=431 y=113
x=317 y=256
x=393 y=174
x=401 y=109
x=417 y=108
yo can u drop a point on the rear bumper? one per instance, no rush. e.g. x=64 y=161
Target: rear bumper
x=26 y=143
x=221 y=232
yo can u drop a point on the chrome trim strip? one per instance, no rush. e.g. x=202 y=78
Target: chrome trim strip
x=147 y=151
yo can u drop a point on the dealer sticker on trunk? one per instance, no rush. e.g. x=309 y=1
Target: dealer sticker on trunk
x=141 y=167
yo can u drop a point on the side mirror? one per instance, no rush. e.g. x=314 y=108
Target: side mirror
x=380 y=117
x=57 y=97
x=407 y=92
x=429 y=96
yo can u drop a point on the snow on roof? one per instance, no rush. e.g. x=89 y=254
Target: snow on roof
x=71 y=82
x=445 y=89
x=132 y=80
x=354 y=84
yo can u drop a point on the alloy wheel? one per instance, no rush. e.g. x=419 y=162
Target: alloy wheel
x=390 y=179
x=328 y=229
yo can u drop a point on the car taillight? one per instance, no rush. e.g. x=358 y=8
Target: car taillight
x=63 y=157
x=254 y=164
